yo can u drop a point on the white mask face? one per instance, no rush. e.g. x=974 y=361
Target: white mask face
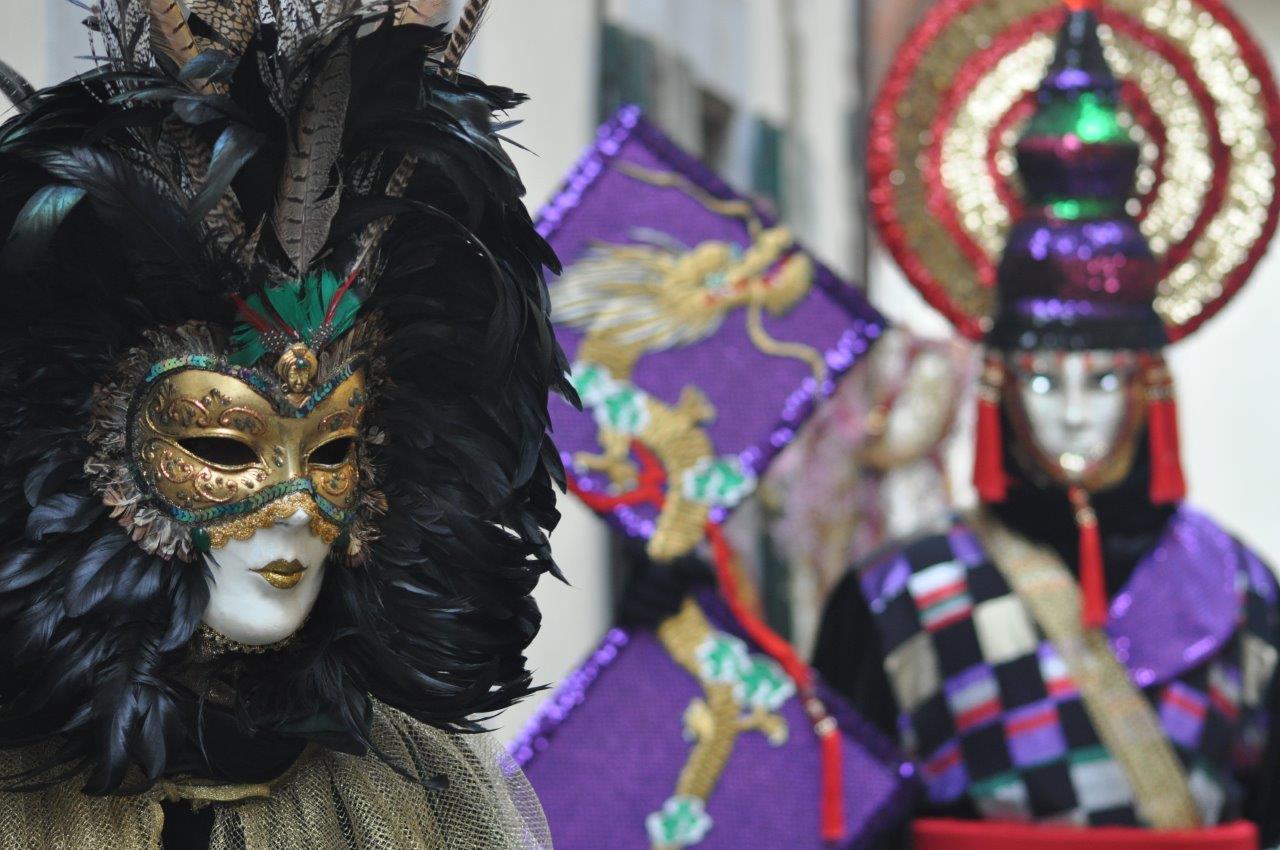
x=1076 y=403
x=262 y=589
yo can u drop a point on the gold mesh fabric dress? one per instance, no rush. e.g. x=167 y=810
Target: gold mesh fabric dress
x=326 y=801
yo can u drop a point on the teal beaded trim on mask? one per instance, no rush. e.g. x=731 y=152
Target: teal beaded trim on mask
x=259 y=500
x=326 y=389
x=265 y=388
x=213 y=364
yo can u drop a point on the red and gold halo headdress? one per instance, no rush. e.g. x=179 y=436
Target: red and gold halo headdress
x=1205 y=112
x=1003 y=181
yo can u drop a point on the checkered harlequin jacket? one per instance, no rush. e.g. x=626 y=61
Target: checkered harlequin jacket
x=989 y=712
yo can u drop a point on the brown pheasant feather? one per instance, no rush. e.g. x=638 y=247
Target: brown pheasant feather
x=233 y=22
x=225 y=222
x=171 y=37
x=426 y=12
x=308 y=199
x=463 y=34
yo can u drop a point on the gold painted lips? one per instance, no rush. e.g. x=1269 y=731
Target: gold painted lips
x=282 y=574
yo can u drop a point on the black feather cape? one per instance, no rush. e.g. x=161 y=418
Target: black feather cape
x=95 y=632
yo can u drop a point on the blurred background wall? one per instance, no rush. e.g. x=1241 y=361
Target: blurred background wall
x=772 y=94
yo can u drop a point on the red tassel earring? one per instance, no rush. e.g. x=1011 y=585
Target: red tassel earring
x=1167 y=483
x=988 y=462
x=1093 y=578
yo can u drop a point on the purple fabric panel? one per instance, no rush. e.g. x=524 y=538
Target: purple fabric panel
x=608 y=748
x=1182 y=712
x=536 y=736
x=760 y=400
x=613 y=758
x=1181 y=603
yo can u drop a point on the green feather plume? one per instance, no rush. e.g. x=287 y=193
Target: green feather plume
x=301 y=306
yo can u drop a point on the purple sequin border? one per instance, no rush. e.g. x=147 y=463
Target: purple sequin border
x=570 y=694
x=866 y=324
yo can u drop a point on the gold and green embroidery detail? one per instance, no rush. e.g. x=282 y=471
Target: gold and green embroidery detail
x=698 y=480
x=742 y=692
x=655 y=294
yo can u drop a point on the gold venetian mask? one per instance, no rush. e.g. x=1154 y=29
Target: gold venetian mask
x=231 y=451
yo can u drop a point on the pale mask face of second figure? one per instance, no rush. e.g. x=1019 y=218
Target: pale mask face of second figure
x=1079 y=411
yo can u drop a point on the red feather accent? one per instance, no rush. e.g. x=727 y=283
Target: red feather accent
x=337 y=296
x=650 y=489
x=253 y=317
x=833 y=823
x=834 y=826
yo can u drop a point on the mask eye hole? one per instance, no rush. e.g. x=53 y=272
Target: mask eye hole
x=333 y=452
x=220 y=451
x=1107 y=382
x=1042 y=384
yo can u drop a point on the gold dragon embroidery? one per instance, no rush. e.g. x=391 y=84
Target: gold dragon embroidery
x=657 y=294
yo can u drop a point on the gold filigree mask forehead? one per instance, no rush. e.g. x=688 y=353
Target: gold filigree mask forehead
x=230 y=451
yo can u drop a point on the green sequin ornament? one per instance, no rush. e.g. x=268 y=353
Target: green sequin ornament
x=200 y=540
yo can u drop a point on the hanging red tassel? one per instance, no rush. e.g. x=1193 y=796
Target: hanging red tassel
x=833 y=823
x=1167 y=483
x=988 y=461
x=1093 y=580
x=834 y=826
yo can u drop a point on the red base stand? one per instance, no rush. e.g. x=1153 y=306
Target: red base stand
x=937 y=834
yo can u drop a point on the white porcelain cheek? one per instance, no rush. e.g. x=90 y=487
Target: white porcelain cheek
x=1077 y=423
x=243 y=606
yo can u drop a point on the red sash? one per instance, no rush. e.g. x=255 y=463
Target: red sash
x=938 y=834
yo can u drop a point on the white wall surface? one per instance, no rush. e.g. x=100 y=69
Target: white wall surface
x=41 y=38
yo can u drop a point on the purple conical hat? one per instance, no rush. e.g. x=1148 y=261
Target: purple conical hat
x=1077 y=273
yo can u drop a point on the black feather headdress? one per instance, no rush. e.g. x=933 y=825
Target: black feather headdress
x=149 y=204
